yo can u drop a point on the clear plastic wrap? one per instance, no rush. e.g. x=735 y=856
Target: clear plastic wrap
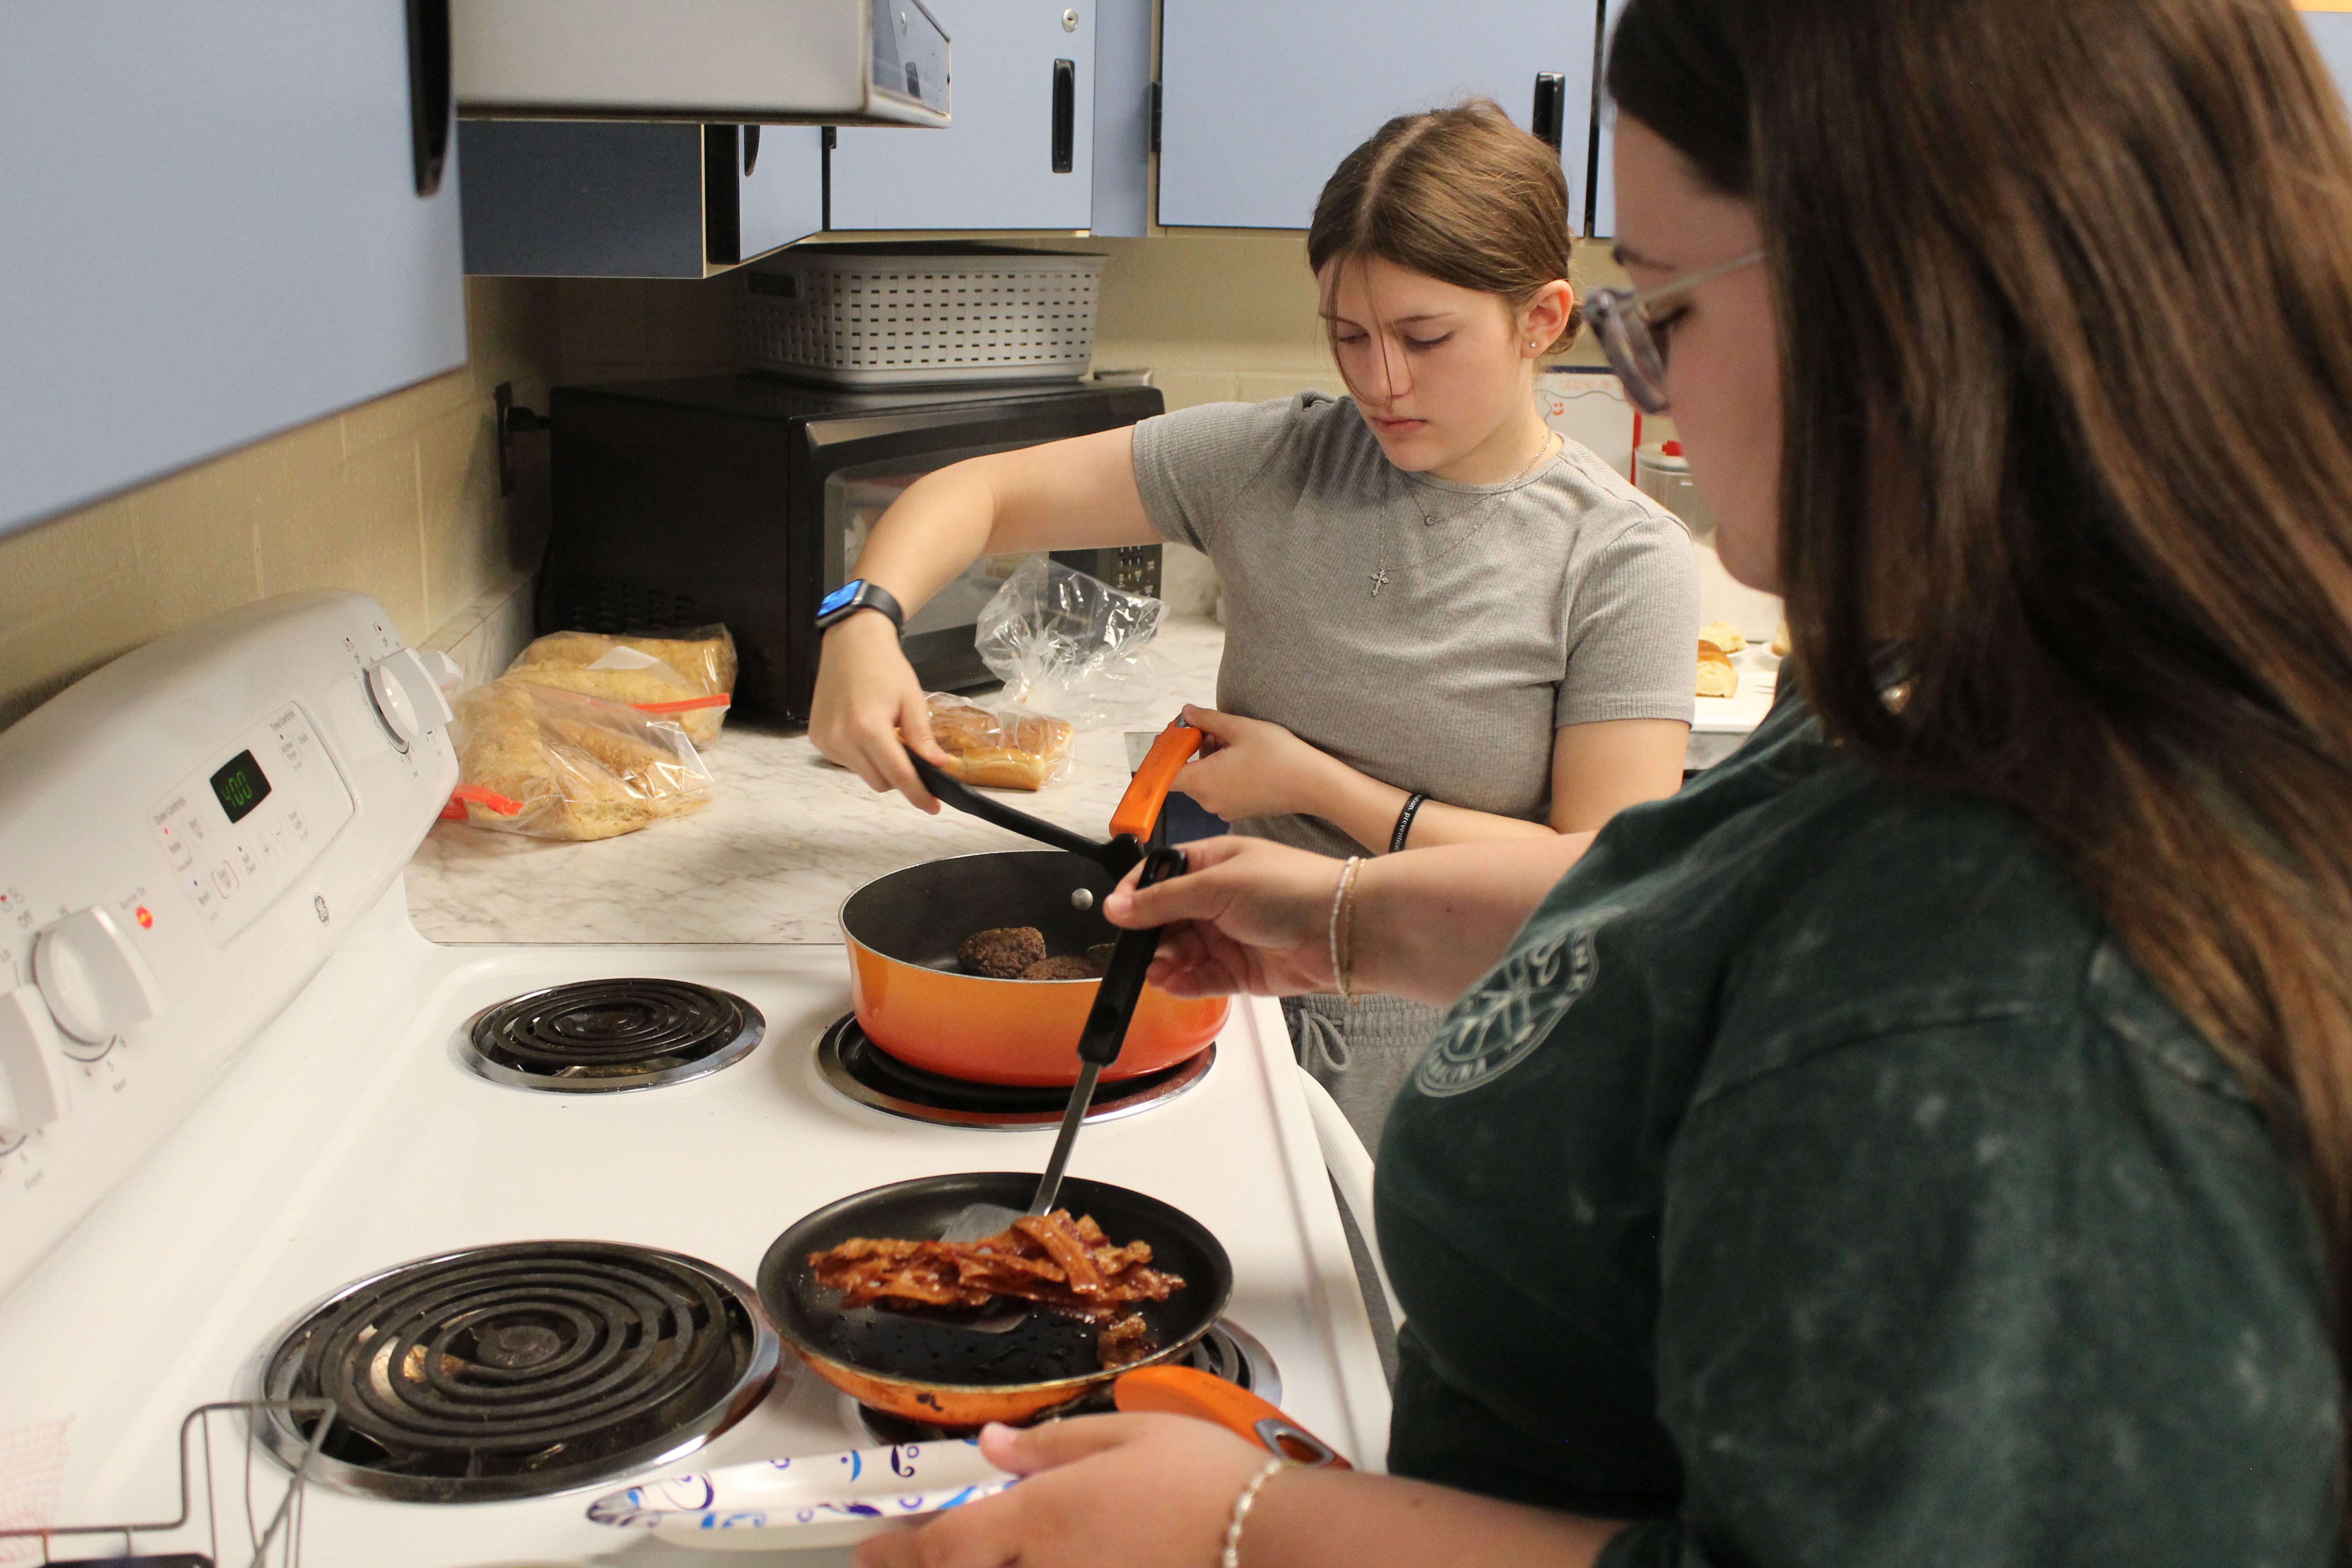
x=557 y=764
x=1070 y=645
x=1000 y=748
x=688 y=676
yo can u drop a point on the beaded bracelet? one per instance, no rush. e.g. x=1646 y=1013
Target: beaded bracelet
x=1343 y=926
x=1405 y=823
x=1232 y=1555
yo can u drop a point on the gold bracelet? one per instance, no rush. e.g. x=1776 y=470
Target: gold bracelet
x=1343 y=927
x=1231 y=1557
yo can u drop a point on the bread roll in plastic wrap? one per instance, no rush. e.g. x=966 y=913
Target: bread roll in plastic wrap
x=1001 y=748
x=1716 y=678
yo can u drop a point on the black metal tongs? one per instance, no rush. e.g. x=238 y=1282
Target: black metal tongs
x=1105 y=1032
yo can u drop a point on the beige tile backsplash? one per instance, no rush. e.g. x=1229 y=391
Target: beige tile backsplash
x=399 y=497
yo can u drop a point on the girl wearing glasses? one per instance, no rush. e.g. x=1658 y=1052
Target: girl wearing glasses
x=1928 y=1138
x=1444 y=624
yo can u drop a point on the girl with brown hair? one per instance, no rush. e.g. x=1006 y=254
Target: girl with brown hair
x=1444 y=624
x=1928 y=1138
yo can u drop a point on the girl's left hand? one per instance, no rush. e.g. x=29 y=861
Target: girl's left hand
x=1143 y=1491
x=1249 y=767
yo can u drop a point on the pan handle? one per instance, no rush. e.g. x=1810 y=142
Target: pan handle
x=1122 y=982
x=1185 y=1390
x=1139 y=808
x=956 y=793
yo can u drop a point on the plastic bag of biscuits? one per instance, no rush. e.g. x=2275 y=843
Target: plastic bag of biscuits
x=687 y=675
x=549 y=763
x=1001 y=748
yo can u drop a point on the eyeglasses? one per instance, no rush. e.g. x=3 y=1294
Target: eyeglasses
x=1635 y=346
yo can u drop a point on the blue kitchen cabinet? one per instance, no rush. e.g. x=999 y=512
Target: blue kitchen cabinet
x=763 y=185
x=1019 y=150
x=1603 y=216
x=221 y=222
x=594 y=198
x=1122 y=152
x=1259 y=103
x=2331 y=29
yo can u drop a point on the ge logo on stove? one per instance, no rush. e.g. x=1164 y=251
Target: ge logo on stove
x=1497 y=1025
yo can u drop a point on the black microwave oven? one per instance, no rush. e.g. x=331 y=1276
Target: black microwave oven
x=745 y=501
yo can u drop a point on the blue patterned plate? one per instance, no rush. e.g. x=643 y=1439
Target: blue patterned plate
x=820 y=1499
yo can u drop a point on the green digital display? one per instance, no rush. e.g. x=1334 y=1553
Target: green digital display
x=241 y=785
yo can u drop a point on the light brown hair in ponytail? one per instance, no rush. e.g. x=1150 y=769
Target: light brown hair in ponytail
x=2081 y=274
x=1460 y=194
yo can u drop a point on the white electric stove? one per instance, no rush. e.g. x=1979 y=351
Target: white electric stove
x=238 y=1090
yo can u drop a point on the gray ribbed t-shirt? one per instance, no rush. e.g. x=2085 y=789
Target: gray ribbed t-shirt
x=1564 y=597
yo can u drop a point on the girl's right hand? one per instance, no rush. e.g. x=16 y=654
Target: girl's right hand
x=1248 y=916
x=869 y=708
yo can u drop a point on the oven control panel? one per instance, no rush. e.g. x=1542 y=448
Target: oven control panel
x=185 y=837
x=246 y=821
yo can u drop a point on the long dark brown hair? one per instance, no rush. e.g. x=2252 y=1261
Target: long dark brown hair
x=1460 y=194
x=2079 y=274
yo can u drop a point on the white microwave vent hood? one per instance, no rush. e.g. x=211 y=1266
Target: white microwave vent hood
x=832 y=62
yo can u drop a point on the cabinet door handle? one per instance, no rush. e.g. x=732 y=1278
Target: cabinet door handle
x=722 y=191
x=1065 y=116
x=428 y=91
x=1548 y=118
x=750 y=150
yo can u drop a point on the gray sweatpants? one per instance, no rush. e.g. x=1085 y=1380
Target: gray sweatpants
x=1362 y=1051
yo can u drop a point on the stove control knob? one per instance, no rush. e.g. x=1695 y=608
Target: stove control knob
x=32 y=1066
x=444 y=670
x=95 y=982
x=407 y=697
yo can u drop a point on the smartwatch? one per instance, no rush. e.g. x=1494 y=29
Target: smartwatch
x=858 y=594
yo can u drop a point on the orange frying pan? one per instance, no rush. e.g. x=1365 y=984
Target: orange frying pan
x=915 y=1000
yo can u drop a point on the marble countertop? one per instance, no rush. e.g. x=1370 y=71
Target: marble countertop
x=770 y=859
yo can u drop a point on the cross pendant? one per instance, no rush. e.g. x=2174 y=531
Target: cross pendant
x=1380 y=581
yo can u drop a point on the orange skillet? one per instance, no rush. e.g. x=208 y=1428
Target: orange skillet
x=913 y=998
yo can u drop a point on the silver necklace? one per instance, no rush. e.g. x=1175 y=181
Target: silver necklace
x=1381 y=578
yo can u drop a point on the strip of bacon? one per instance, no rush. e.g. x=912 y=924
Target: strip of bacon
x=1063 y=1244
x=1069 y=1266
x=1124 y=1342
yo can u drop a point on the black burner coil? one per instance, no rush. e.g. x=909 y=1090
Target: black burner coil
x=528 y=1368
x=611 y=1027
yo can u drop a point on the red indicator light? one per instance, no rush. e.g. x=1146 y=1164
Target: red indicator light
x=146 y=919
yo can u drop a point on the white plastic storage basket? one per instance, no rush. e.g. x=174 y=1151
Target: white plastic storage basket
x=908 y=314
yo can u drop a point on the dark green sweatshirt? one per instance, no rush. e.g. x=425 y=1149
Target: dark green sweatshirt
x=1818 y=1183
